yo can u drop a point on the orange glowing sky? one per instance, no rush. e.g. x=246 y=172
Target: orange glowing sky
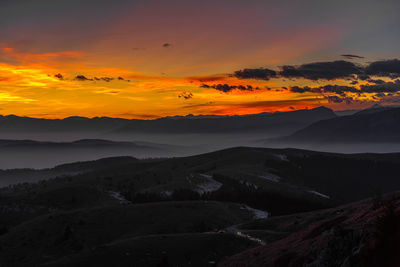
x=165 y=51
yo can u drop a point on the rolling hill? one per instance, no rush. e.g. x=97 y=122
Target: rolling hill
x=197 y=210
x=286 y=180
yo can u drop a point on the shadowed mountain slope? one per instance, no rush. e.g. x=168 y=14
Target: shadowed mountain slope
x=365 y=233
x=369 y=127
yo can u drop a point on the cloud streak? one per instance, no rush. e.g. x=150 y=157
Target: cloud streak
x=386 y=87
x=351 y=56
x=384 y=68
x=326 y=70
x=228 y=88
x=83 y=78
x=258 y=74
x=322 y=70
x=186 y=95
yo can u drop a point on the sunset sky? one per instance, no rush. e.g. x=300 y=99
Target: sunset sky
x=154 y=58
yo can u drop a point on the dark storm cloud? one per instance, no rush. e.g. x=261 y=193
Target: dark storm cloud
x=186 y=95
x=59 y=76
x=388 y=87
x=363 y=77
x=384 y=68
x=110 y=79
x=291 y=72
x=379 y=81
x=385 y=87
x=351 y=56
x=106 y=79
x=227 y=88
x=82 y=78
x=258 y=74
x=328 y=70
x=297 y=89
x=337 y=99
x=337 y=89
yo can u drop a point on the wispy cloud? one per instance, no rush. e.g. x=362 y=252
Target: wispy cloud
x=351 y=56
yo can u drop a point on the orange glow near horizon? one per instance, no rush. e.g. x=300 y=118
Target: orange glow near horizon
x=31 y=89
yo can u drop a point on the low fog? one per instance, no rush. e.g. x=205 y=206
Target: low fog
x=55 y=150
x=54 y=142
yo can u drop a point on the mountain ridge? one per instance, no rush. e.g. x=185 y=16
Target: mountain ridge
x=369 y=126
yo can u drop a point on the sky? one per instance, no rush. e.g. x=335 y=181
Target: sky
x=155 y=58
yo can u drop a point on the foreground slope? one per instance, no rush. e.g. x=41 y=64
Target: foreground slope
x=365 y=233
x=93 y=230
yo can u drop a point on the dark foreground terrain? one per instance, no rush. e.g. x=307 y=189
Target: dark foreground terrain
x=235 y=207
x=365 y=233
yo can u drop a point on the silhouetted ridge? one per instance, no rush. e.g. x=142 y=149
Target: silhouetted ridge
x=277 y=122
x=379 y=126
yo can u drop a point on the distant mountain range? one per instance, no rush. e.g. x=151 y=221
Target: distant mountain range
x=264 y=122
x=279 y=122
x=373 y=125
x=189 y=134
x=373 y=108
